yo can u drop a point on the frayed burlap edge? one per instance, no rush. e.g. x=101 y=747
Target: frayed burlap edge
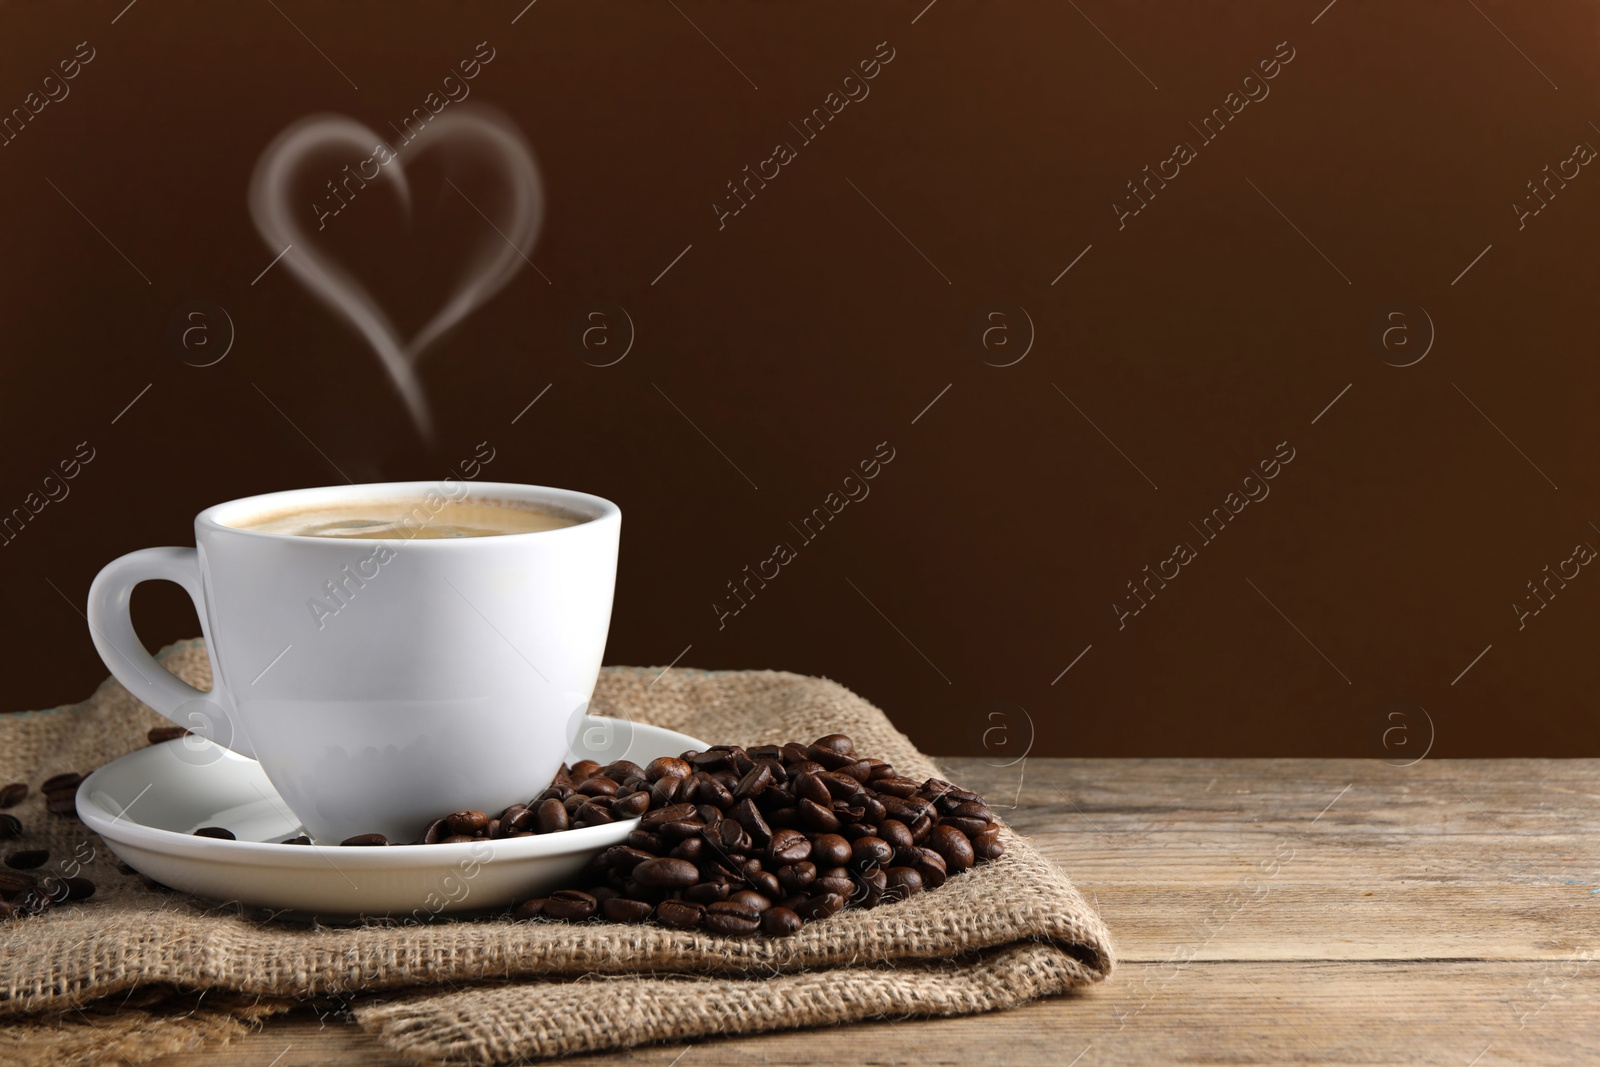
x=155 y=1023
x=538 y=1020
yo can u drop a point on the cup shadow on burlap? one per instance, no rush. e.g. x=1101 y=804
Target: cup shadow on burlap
x=489 y=990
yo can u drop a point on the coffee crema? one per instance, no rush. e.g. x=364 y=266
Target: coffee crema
x=407 y=519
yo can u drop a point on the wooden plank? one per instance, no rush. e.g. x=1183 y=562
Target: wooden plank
x=1443 y=913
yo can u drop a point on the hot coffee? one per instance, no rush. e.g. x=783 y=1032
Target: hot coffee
x=407 y=519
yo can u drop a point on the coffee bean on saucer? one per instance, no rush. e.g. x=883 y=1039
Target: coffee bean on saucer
x=365 y=839
x=219 y=832
x=27 y=859
x=551 y=817
x=302 y=839
x=466 y=822
x=584 y=768
x=10 y=826
x=61 y=783
x=570 y=904
x=13 y=794
x=159 y=734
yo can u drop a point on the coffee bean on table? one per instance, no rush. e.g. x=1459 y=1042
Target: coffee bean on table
x=365 y=839
x=27 y=859
x=10 y=826
x=13 y=794
x=219 y=832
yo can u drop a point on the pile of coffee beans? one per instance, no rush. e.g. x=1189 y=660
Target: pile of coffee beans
x=23 y=893
x=739 y=840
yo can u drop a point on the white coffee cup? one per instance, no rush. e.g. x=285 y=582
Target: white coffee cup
x=447 y=676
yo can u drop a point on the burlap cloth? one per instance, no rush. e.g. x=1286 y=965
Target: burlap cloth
x=136 y=972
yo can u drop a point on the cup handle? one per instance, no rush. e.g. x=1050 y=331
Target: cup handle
x=111 y=626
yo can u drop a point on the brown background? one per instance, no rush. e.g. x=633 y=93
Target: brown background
x=808 y=330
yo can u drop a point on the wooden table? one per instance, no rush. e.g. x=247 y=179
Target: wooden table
x=1266 y=911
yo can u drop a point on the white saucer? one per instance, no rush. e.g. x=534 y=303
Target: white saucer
x=147 y=805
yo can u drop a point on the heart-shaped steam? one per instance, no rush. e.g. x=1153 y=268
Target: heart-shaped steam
x=463 y=130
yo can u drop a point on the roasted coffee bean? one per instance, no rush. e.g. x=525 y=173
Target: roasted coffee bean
x=870 y=885
x=592 y=814
x=528 y=909
x=665 y=791
x=631 y=807
x=765 y=883
x=667 y=873
x=973 y=809
x=667 y=767
x=816 y=818
x=755 y=782
x=680 y=914
x=793 y=752
x=6 y=910
x=713 y=792
x=820 y=906
x=761 y=752
x=880 y=770
x=789 y=846
x=927 y=863
x=434 y=832
x=841 y=786
x=159 y=734
x=970 y=827
x=871 y=852
x=76 y=888
x=65 y=782
x=988 y=846
x=830 y=850
x=551 y=817
x=61 y=803
x=731 y=919
x=810 y=787
x=365 y=839
x=839 y=743
x=570 y=904
x=690 y=848
x=828 y=757
x=623 y=910
x=671 y=813
x=747 y=815
x=707 y=892
x=797 y=877
x=645 y=841
x=517 y=818
x=28 y=859
x=621 y=770
x=953 y=845
x=302 y=839
x=901 y=882
x=219 y=832
x=860 y=770
x=598 y=786
x=750 y=898
x=780 y=922
x=732 y=836
x=895 y=786
x=466 y=822
x=13 y=794
x=494 y=829
x=855 y=831
x=603 y=893
x=15 y=883
x=573 y=801
x=834 y=880
x=33 y=902
x=896 y=833
x=584 y=768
